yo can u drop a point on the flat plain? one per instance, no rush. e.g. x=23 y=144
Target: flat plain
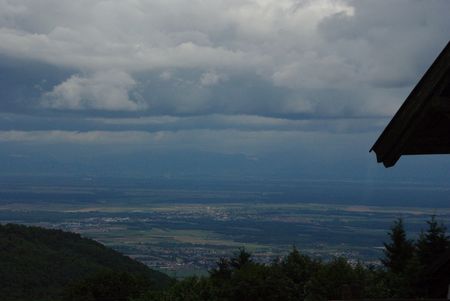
x=184 y=231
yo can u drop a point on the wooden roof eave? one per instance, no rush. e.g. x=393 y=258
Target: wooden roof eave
x=391 y=144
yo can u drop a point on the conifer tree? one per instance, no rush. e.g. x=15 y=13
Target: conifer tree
x=241 y=259
x=433 y=243
x=399 y=251
x=299 y=267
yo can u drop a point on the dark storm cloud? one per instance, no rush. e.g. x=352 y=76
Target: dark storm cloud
x=23 y=81
x=330 y=66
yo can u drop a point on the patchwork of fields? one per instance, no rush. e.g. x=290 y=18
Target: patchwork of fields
x=185 y=236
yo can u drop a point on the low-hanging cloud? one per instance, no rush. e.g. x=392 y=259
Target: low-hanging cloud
x=108 y=90
x=221 y=141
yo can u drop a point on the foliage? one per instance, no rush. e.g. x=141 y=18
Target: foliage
x=333 y=280
x=408 y=263
x=400 y=262
x=432 y=243
x=294 y=277
x=300 y=277
x=107 y=285
x=410 y=271
x=36 y=263
x=399 y=251
x=189 y=289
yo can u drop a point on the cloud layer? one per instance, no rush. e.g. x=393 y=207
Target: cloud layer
x=233 y=76
x=101 y=91
x=351 y=49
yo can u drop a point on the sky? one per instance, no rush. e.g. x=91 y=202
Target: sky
x=298 y=88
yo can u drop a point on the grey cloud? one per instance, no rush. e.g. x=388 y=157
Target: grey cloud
x=22 y=83
x=137 y=36
x=211 y=78
x=108 y=90
x=243 y=123
x=297 y=60
x=219 y=141
x=212 y=122
x=390 y=45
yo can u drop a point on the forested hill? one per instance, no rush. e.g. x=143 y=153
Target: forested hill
x=39 y=264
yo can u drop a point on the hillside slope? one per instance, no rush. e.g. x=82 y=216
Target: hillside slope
x=37 y=263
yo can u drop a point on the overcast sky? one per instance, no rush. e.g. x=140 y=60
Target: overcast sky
x=254 y=77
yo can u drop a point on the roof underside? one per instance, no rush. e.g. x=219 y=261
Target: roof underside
x=422 y=124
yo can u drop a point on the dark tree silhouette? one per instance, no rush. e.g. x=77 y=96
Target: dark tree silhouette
x=433 y=243
x=399 y=250
x=241 y=259
x=222 y=271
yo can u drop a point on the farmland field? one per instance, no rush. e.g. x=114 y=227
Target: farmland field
x=188 y=233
